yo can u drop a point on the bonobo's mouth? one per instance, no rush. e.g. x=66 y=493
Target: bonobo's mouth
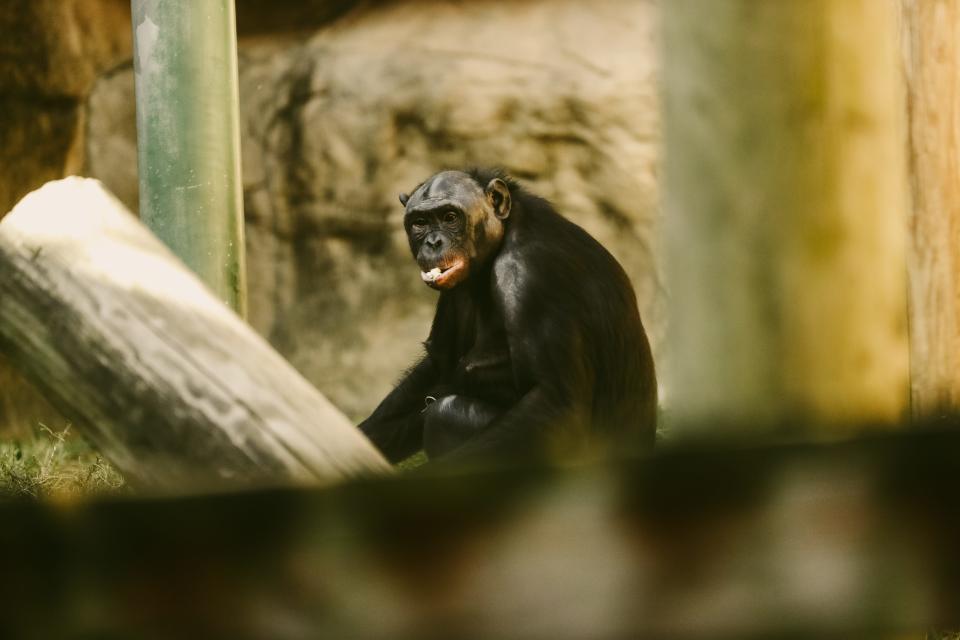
x=446 y=275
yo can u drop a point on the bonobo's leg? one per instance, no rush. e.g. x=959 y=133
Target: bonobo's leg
x=452 y=420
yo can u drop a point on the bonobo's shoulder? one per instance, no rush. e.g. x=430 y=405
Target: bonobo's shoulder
x=548 y=241
x=549 y=261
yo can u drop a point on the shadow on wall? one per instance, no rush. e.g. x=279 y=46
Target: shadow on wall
x=334 y=125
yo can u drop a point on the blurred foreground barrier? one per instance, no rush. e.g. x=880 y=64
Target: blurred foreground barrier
x=171 y=385
x=850 y=540
x=784 y=195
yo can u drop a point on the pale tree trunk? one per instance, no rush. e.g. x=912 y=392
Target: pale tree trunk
x=172 y=386
x=785 y=202
x=931 y=56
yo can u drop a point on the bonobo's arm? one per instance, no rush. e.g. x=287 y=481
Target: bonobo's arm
x=518 y=433
x=396 y=426
x=547 y=357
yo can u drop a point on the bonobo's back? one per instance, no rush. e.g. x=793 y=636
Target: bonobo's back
x=613 y=375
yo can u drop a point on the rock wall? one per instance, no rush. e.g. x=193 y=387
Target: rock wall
x=50 y=54
x=560 y=92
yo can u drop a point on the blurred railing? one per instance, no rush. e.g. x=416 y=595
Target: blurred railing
x=794 y=540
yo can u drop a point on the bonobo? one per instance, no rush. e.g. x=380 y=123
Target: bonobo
x=536 y=345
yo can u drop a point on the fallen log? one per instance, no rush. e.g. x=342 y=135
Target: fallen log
x=170 y=385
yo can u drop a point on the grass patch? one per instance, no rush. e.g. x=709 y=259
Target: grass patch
x=53 y=464
x=416 y=460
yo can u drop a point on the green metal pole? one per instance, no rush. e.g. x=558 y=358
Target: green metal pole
x=188 y=130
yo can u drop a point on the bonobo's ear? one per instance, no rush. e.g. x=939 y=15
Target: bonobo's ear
x=499 y=194
x=403 y=199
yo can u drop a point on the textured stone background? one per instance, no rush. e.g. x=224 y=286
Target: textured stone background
x=344 y=108
x=561 y=93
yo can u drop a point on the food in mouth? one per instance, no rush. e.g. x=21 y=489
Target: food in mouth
x=445 y=275
x=431 y=276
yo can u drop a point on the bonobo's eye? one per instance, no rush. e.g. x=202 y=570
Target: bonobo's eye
x=450 y=217
x=420 y=223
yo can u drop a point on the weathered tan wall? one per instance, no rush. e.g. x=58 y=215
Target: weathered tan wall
x=50 y=53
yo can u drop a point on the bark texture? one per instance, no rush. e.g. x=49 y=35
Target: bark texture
x=931 y=49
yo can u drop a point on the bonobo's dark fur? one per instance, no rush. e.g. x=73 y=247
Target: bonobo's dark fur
x=536 y=345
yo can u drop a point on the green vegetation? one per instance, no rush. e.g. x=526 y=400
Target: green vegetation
x=416 y=460
x=54 y=465
x=61 y=465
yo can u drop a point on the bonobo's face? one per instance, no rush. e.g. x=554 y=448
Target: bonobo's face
x=454 y=226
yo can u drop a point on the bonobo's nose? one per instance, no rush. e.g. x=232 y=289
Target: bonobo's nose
x=433 y=241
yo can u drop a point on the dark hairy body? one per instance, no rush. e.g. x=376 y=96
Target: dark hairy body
x=536 y=346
